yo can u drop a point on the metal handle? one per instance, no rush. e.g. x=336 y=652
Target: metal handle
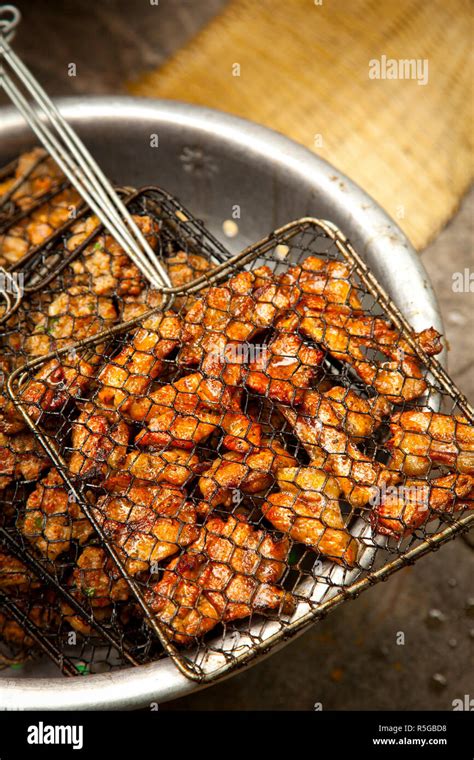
x=10 y=17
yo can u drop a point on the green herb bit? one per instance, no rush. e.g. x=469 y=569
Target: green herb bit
x=293 y=557
x=52 y=321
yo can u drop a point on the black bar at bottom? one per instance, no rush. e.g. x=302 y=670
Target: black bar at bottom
x=154 y=732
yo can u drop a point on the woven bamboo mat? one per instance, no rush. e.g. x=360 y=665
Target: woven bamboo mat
x=303 y=69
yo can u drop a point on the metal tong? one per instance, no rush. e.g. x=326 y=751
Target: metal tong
x=71 y=155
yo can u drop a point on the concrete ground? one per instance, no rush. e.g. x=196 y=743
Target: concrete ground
x=351 y=660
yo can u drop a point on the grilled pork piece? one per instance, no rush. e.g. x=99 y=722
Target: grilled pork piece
x=421 y=439
x=307 y=509
x=228 y=573
x=402 y=510
x=53 y=519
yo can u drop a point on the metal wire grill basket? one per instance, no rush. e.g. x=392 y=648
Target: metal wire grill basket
x=223 y=461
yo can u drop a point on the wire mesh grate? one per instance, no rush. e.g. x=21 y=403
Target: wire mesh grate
x=206 y=468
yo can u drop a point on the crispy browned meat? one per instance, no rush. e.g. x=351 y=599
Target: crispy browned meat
x=284 y=369
x=246 y=473
x=242 y=433
x=43 y=613
x=108 y=270
x=96 y=584
x=173 y=466
x=184 y=396
x=147 y=524
x=44 y=220
x=403 y=509
x=323 y=277
x=175 y=415
x=21 y=457
x=77 y=314
x=17 y=581
x=359 y=417
x=11 y=421
x=104 y=267
x=348 y=334
x=186 y=412
x=429 y=340
x=227 y=574
x=99 y=442
x=184 y=267
x=148 y=517
x=248 y=303
x=225 y=569
x=14 y=574
x=307 y=509
x=130 y=373
x=328 y=311
x=57 y=383
x=54 y=323
x=218 y=323
x=37 y=180
x=74 y=315
x=132 y=307
x=421 y=439
x=41 y=223
x=318 y=427
x=25 y=334
x=79 y=232
x=227 y=474
x=52 y=518
x=47 y=321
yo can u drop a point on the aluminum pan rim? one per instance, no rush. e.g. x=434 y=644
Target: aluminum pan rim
x=378 y=239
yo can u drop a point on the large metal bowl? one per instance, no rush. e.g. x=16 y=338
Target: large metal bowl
x=213 y=162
